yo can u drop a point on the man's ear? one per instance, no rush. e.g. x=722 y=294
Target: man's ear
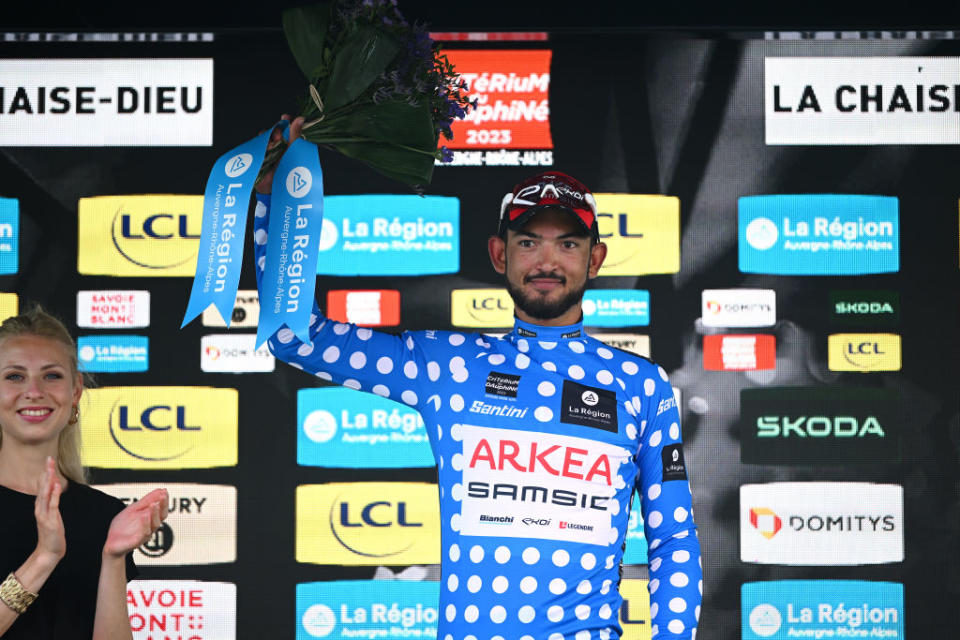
x=497 y=247
x=598 y=253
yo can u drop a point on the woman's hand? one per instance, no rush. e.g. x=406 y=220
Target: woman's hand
x=134 y=525
x=51 y=543
x=265 y=183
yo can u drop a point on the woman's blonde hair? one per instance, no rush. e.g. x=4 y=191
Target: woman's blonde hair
x=37 y=322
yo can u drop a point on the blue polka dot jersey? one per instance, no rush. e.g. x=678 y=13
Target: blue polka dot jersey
x=540 y=437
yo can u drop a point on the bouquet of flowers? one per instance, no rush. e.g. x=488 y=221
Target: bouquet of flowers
x=379 y=89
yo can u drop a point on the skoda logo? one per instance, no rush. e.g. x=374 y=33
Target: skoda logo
x=762 y=233
x=299 y=182
x=238 y=165
x=590 y=398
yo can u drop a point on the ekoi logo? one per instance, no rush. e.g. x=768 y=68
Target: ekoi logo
x=766 y=522
x=153 y=235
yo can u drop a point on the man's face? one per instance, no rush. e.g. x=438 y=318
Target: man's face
x=547 y=264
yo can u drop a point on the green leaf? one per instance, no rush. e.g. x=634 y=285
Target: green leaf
x=362 y=58
x=306 y=31
x=390 y=121
x=409 y=167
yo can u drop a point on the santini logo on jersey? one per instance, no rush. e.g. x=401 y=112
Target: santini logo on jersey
x=503 y=410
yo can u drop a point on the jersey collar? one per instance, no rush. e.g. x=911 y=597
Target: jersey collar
x=523 y=329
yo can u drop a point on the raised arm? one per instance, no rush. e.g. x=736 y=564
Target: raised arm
x=50 y=549
x=676 y=572
x=392 y=366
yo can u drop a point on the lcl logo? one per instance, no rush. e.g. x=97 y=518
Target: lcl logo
x=622 y=224
x=383 y=517
x=489 y=304
x=864 y=348
x=150 y=227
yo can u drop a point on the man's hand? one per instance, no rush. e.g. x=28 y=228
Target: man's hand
x=265 y=183
x=51 y=542
x=134 y=525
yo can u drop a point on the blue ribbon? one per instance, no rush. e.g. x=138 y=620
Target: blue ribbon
x=225 y=203
x=293 y=241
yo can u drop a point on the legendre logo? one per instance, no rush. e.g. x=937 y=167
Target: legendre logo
x=814 y=425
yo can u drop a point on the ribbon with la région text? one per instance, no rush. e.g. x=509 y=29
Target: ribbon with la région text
x=294 y=235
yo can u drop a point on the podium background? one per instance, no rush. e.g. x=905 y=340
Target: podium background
x=632 y=111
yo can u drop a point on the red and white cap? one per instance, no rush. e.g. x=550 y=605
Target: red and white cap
x=550 y=189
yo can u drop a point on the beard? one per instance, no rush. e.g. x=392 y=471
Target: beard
x=538 y=305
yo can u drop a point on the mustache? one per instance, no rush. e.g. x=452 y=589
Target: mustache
x=552 y=276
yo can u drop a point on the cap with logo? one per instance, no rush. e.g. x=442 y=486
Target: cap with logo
x=551 y=189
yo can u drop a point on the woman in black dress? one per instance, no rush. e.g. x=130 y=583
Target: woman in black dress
x=64 y=547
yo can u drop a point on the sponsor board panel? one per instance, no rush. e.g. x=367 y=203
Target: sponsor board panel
x=642 y=233
x=863 y=352
x=819 y=425
x=782 y=609
x=340 y=427
x=113 y=309
x=861 y=100
x=367 y=609
x=187 y=609
x=368 y=523
x=635 y=551
x=616 y=307
x=246 y=312
x=378 y=308
x=481 y=308
x=9 y=305
x=632 y=342
x=512 y=90
x=635 y=610
x=818 y=234
x=821 y=523
x=505 y=498
x=113 y=353
x=389 y=235
x=139 y=235
x=865 y=307
x=201 y=524
x=735 y=352
x=738 y=307
x=101 y=102
x=9 y=235
x=234 y=353
x=159 y=427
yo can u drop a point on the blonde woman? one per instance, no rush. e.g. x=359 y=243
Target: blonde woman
x=64 y=547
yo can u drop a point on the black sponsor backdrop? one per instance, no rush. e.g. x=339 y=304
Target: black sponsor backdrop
x=630 y=113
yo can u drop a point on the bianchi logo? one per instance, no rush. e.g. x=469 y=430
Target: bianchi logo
x=762 y=233
x=319 y=620
x=238 y=165
x=765 y=620
x=299 y=182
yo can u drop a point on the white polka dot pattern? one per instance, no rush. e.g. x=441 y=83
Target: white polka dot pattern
x=515 y=587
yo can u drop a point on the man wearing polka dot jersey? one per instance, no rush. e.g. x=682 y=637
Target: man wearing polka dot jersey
x=540 y=436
